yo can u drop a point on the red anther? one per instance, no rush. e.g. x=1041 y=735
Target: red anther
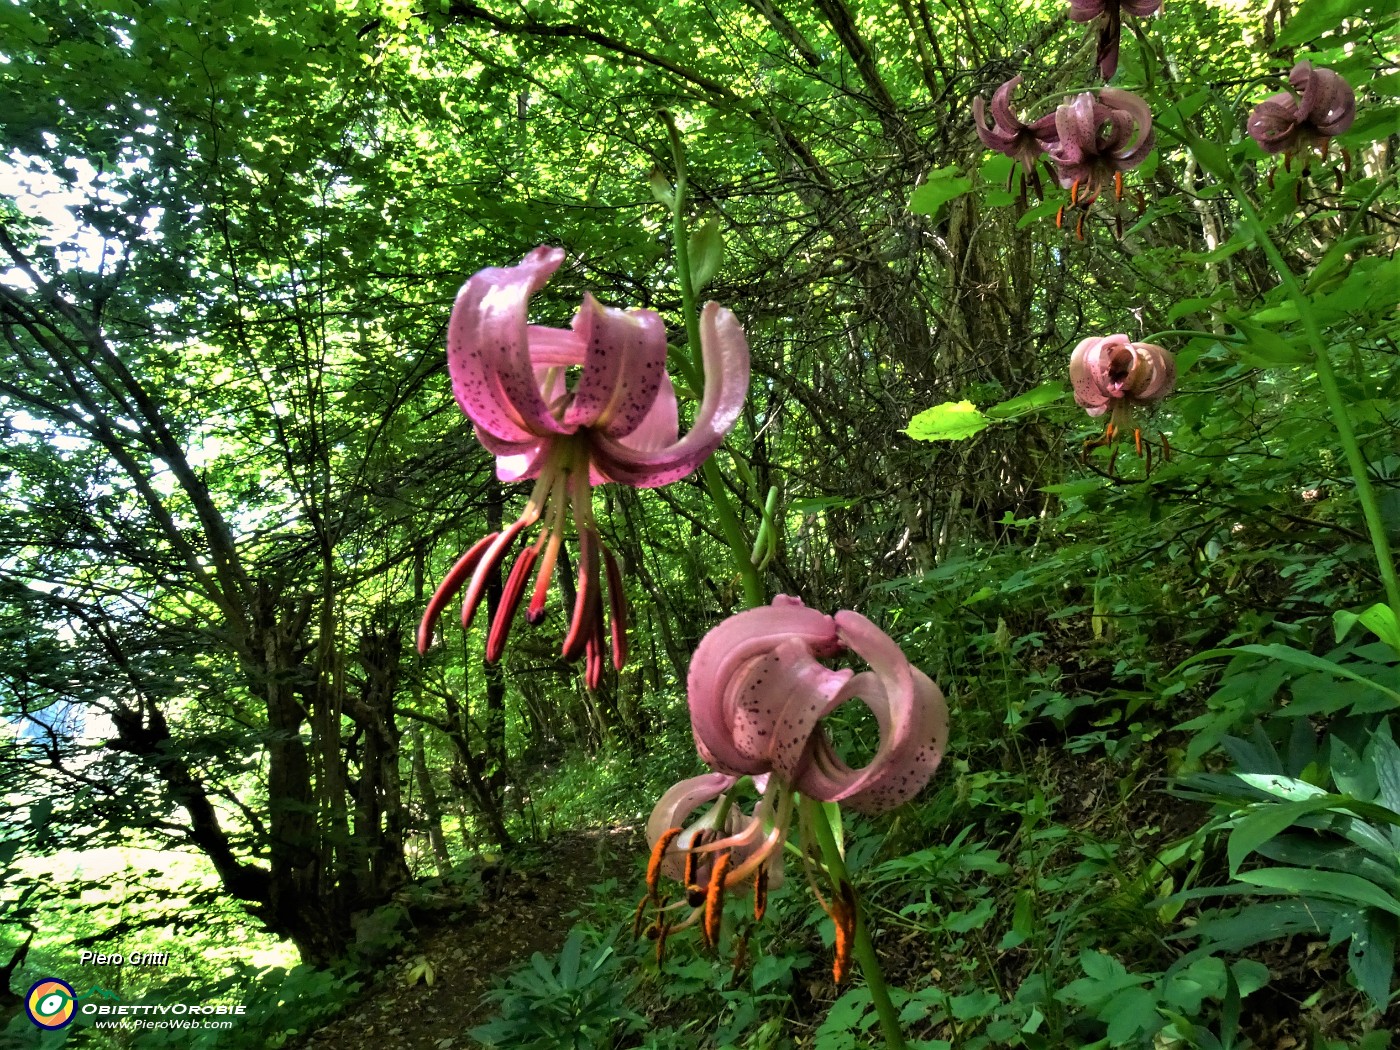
x=760 y=892
x=1346 y=159
x=1147 y=467
x=637 y=918
x=1118 y=185
x=581 y=627
x=1137 y=440
x=510 y=602
x=1109 y=430
x=692 y=869
x=1271 y=176
x=1118 y=226
x=490 y=561
x=1079 y=226
x=450 y=585
x=714 y=900
x=1060 y=218
x=658 y=854
x=592 y=665
x=1113 y=459
x=1166 y=449
x=1288 y=162
x=617 y=605
x=695 y=895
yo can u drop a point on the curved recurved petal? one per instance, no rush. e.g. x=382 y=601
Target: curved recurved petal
x=1328 y=103
x=1084 y=377
x=726 y=357
x=1161 y=377
x=722 y=654
x=1129 y=111
x=799 y=692
x=1086 y=10
x=1078 y=125
x=622 y=369
x=1274 y=123
x=997 y=138
x=900 y=774
x=1142 y=8
x=488 y=349
x=676 y=805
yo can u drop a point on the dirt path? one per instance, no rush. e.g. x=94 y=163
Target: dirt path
x=525 y=915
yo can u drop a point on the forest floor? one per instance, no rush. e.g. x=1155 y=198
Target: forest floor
x=523 y=911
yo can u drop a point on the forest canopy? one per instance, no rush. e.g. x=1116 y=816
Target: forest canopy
x=931 y=463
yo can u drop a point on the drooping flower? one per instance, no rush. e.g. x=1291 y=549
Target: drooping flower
x=758 y=692
x=1324 y=107
x=1115 y=376
x=1112 y=29
x=1099 y=139
x=1021 y=142
x=617 y=422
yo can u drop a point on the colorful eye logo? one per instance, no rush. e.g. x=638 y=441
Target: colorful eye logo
x=49 y=1003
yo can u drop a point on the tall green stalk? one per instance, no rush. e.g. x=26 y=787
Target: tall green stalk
x=1326 y=375
x=744 y=555
x=714 y=482
x=864 y=947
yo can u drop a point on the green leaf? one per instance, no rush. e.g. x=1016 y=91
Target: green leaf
x=1266 y=821
x=706 y=250
x=1298 y=658
x=1266 y=349
x=1379 y=619
x=1329 y=885
x=950 y=421
x=1372 y=957
x=942 y=186
x=1025 y=404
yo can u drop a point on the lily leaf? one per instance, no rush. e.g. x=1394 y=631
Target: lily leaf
x=1025 y=404
x=706 y=250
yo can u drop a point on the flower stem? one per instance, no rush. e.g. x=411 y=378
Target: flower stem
x=719 y=496
x=864 y=947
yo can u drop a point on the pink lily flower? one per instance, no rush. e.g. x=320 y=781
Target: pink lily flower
x=1099 y=139
x=1115 y=376
x=617 y=423
x=758 y=692
x=1325 y=107
x=1112 y=30
x=1020 y=141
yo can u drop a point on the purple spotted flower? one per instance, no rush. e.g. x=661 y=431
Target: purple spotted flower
x=1111 y=375
x=616 y=423
x=1099 y=139
x=758 y=692
x=1324 y=107
x=1112 y=29
x=1021 y=142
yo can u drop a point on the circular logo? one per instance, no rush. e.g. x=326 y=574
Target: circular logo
x=50 y=1003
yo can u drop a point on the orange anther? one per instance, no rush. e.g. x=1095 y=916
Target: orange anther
x=1074 y=192
x=1118 y=185
x=658 y=853
x=843 y=918
x=1137 y=440
x=714 y=900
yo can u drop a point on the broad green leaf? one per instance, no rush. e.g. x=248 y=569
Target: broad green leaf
x=1268 y=820
x=706 y=251
x=1379 y=619
x=942 y=186
x=1266 y=349
x=1298 y=658
x=1030 y=401
x=950 y=421
x=1329 y=885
